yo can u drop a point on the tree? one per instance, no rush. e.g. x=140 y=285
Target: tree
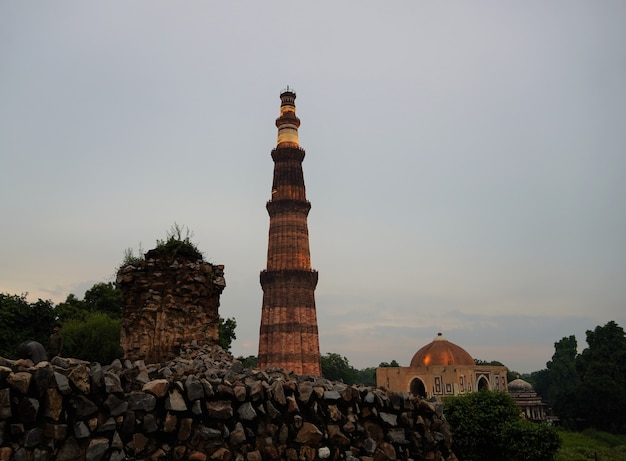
x=337 y=368
x=564 y=384
x=494 y=363
x=249 y=361
x=104 y=297
x=391 y=364
x=486 y=426
x=95 y=338
x=91 y=326
x=510 y=375
x=71 y=308
x=226 y=332
x=602 y=370
x=540 y=380
x=366 y=376
x=21 y=321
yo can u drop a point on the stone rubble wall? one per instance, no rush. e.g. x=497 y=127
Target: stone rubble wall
x=168 y=301
x=203 y=405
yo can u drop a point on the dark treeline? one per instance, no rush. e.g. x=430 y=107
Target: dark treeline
x=586 y=389
x=90 y=327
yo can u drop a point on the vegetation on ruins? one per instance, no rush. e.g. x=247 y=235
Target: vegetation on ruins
x=177 y=242
x=487 y=426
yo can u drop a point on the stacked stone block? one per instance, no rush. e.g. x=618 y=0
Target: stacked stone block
x=202 y=406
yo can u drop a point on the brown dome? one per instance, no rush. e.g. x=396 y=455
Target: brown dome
x=441 y=352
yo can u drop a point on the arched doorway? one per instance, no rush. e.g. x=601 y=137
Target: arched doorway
x=482 y=384
x=418 y=388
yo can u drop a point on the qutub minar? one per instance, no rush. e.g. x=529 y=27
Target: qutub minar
x=288 y=335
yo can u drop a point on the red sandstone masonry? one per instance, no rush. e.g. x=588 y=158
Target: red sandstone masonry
x=288 y=334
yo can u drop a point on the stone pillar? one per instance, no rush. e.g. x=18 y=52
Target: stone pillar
x=169 y=300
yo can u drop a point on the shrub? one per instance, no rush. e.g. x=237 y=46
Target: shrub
x=96 y=339
x=486 y=426
x=526 y=441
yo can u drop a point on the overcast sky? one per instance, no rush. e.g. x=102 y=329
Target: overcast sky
x=465 y=161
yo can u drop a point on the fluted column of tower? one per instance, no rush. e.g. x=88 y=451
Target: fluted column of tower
x=288 y=335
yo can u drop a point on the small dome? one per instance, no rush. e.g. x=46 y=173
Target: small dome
x=519 y=385
x=441 y=352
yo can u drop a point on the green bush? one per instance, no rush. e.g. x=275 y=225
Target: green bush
x=176 y=245
x=95 y=339
x=486 y=426
x=526 y=441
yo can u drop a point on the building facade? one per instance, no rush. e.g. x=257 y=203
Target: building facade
x=441 y=369
x=288 y=333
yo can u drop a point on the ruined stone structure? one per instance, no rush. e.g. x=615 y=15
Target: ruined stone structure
x=204 y=406
x=288 y=333
x=170 y=298
x=441 y=369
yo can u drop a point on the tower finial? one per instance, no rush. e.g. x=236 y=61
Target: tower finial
x=287 y=123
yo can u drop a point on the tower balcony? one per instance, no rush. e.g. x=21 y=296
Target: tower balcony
x=275 y=207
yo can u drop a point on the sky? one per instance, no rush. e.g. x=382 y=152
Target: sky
x=465 y=161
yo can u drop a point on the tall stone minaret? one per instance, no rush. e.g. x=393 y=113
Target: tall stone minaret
x=288 y=335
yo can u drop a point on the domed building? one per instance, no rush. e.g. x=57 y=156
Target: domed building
x=441 y=369
x=528 y=400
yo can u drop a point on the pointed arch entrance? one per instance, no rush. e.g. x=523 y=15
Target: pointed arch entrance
x=418 y=388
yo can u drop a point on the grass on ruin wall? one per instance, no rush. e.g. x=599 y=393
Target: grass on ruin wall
x=592 y=445
x=177 y=243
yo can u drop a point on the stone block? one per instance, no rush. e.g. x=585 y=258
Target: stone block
x=220 y=409
x=55 y=431
x=80 y=378
x=5 y=404
x=20 y=381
